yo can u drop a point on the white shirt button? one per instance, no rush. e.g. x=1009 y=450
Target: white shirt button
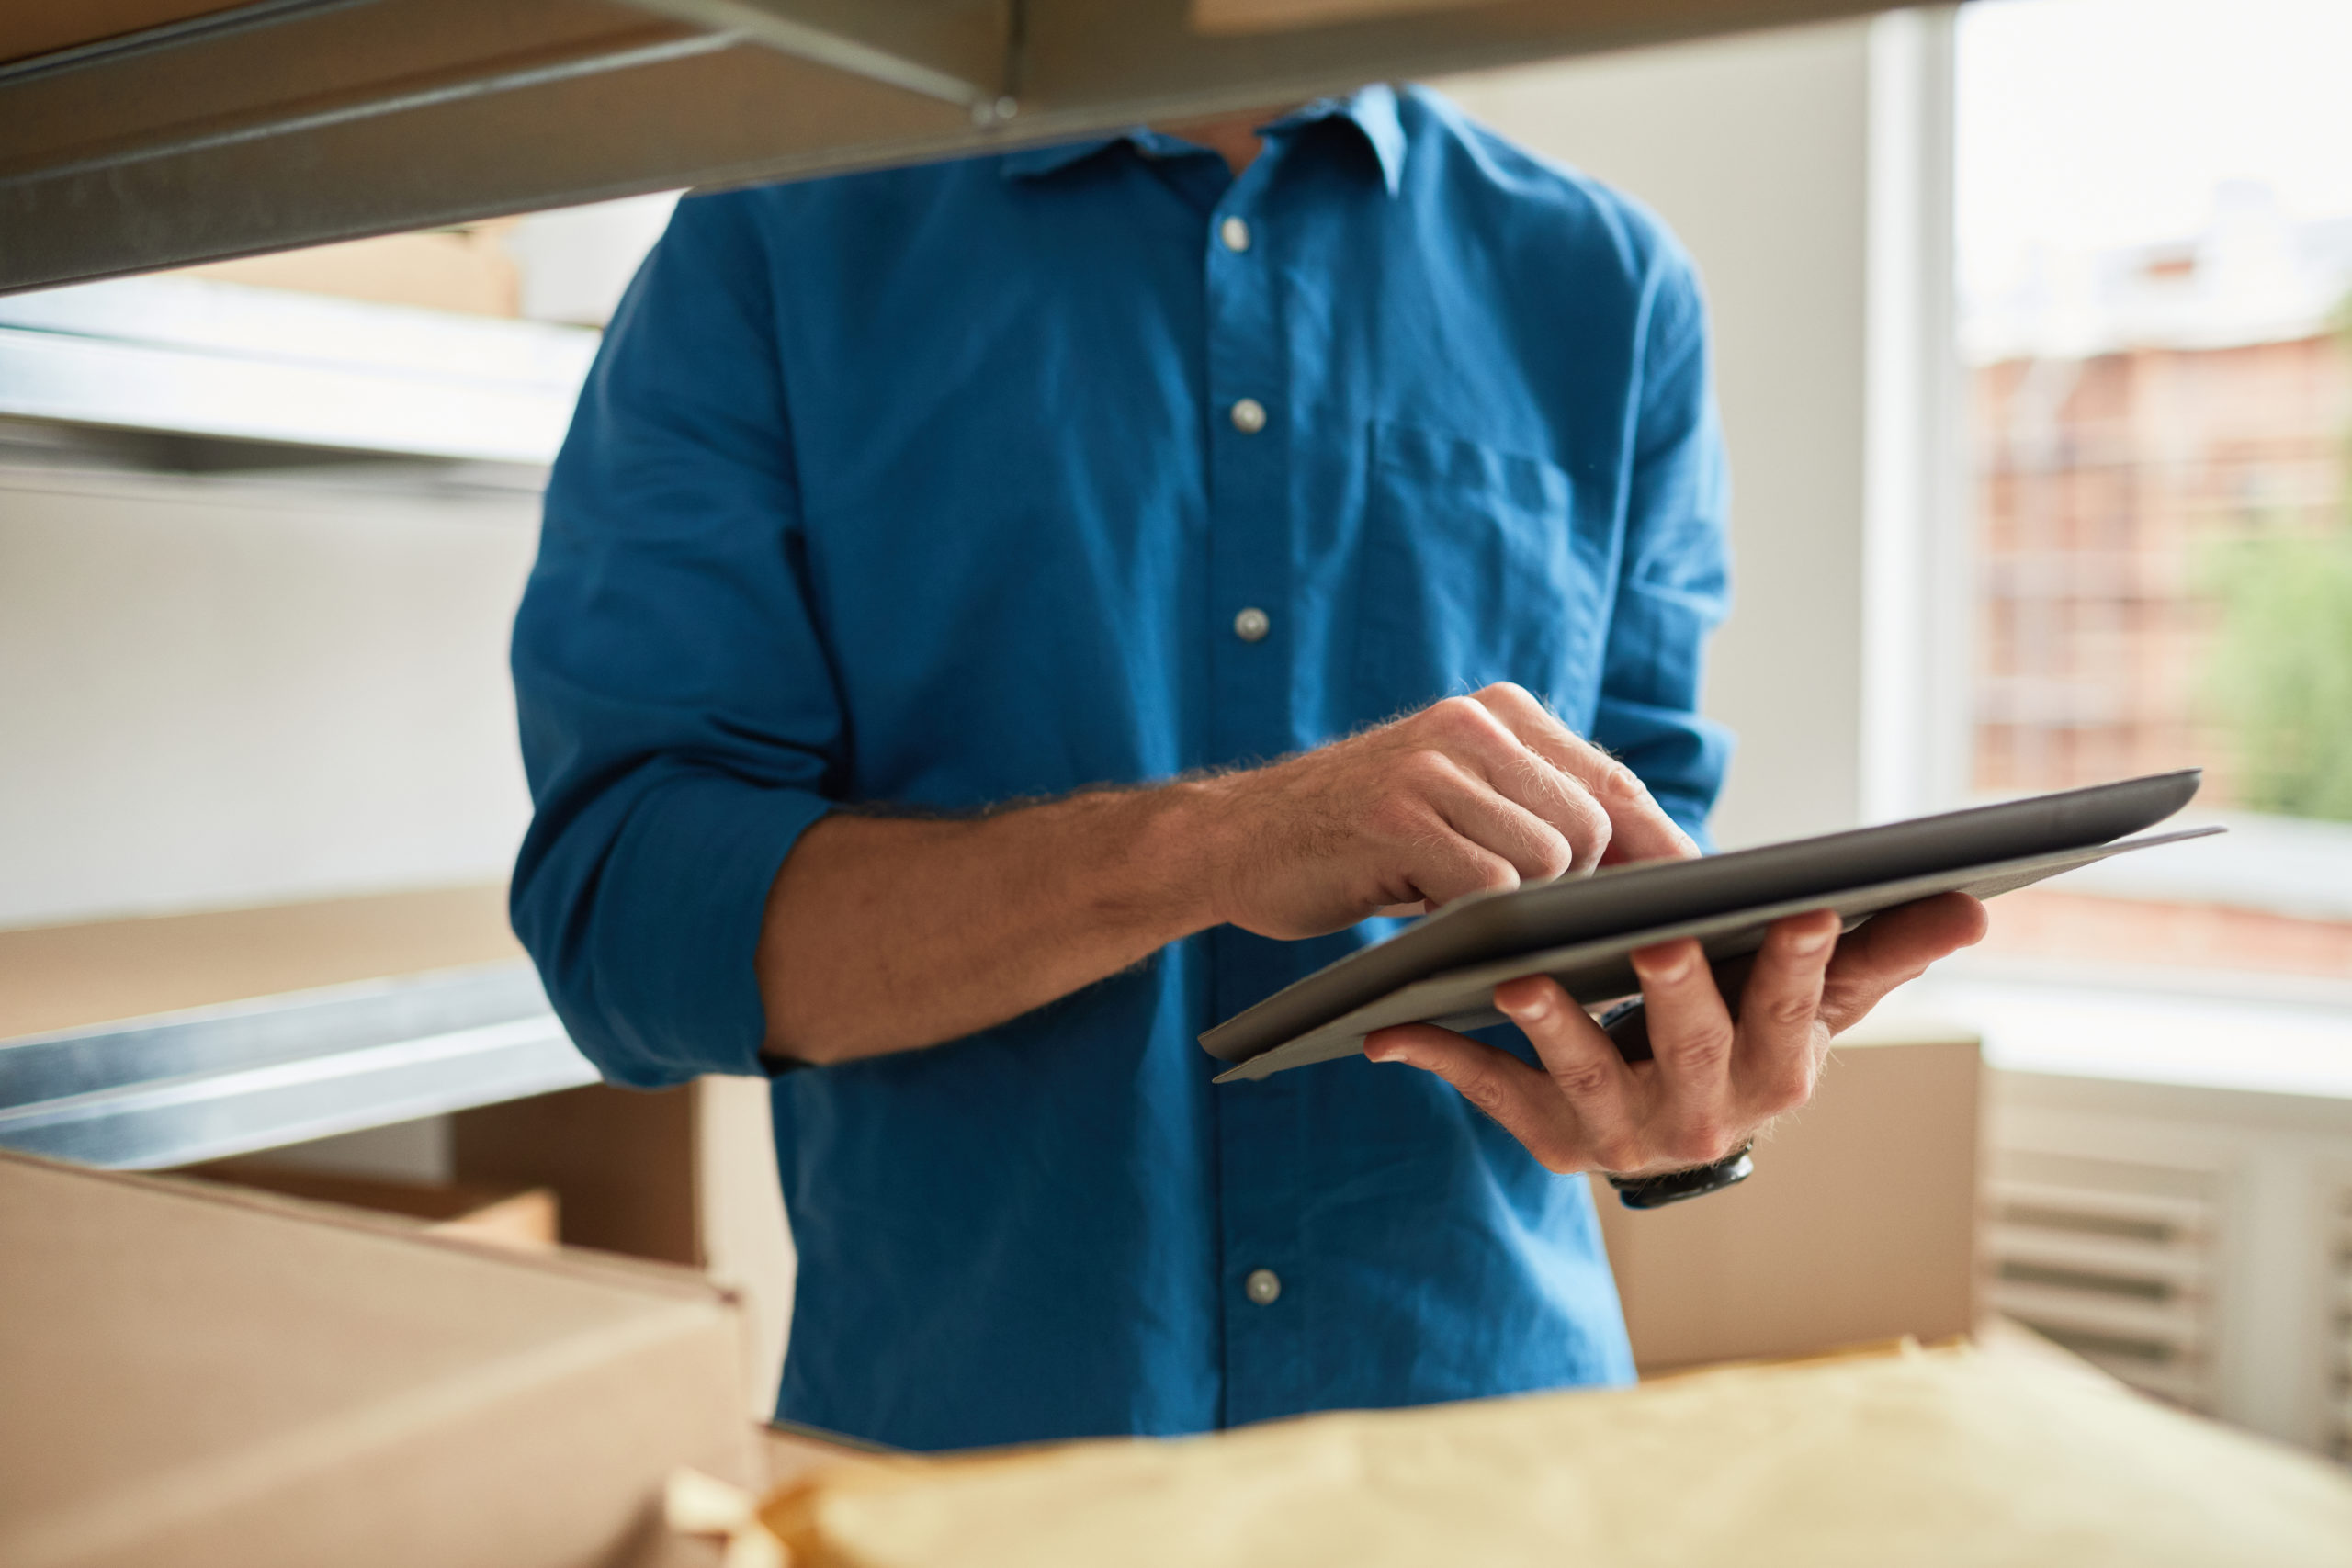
x=1251 y=625
x=1249 y=416
x=1262 y=1286
x=1235 y=233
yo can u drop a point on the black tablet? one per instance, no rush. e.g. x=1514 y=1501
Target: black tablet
x=1443 y=968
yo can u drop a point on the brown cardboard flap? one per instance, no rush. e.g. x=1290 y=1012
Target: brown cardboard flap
x=204 y=1375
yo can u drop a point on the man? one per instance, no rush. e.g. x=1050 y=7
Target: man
x=963 y=664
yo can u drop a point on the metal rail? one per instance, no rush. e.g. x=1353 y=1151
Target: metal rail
x=227 y=1080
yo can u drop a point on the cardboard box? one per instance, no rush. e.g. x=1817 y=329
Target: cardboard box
x=508 y=1215
x=466 y=270
x=684 y=1174
x=1859 y=1225
x=199 y=1375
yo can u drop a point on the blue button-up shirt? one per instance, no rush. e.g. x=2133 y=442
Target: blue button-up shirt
x=927 y=488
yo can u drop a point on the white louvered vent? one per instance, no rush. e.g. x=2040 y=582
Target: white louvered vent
x=2116 y=1262
x=2340 y=1325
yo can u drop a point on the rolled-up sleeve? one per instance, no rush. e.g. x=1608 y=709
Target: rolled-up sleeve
x=1674 y=587
x=680 y=721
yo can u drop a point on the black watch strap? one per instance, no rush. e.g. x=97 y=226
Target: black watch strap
x=1674 y=1185
x=1627 y=1026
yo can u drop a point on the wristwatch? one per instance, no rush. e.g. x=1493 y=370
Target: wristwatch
x=1628 y=1029
x=1674 y=1185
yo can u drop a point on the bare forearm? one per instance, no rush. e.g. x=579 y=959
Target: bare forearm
x=885 y=935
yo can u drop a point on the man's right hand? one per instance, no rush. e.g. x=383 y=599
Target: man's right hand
x=1470 y=794
x=887 y=934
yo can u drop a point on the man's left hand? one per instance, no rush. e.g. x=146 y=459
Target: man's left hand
x=1713 y=1082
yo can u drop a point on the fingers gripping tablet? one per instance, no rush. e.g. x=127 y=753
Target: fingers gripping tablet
x=1443 y=969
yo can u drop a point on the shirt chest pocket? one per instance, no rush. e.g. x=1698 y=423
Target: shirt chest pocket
x=1477 y=566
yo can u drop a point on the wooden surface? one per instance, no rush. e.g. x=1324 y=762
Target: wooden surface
x=68 y=977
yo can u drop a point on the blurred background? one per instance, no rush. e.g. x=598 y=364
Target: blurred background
x=2035 y=358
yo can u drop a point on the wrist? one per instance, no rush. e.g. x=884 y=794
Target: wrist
x=1181 y=849
x=1156 y=861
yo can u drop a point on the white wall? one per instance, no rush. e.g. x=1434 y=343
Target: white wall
x=218 y=692
x=575 y=262
x=1755 y=150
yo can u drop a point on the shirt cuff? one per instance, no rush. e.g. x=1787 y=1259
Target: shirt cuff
x=681 y=904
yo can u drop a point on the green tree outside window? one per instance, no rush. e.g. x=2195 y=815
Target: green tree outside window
x=2279 y=679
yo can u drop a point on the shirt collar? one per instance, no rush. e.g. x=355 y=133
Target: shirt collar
x=1371 y=110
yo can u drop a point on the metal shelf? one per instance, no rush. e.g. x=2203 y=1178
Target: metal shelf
x=287 y=122
x=226 y=1080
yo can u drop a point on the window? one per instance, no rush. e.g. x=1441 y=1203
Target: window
x=2155 y=254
